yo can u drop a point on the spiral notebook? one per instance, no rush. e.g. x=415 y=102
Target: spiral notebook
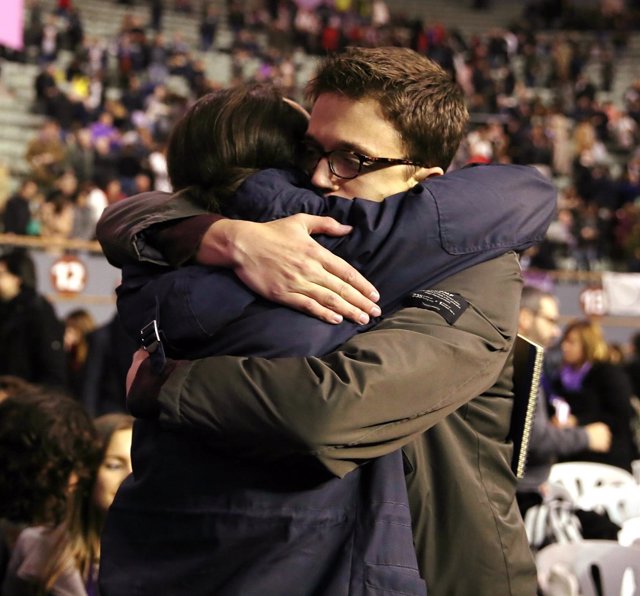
x=527 y=373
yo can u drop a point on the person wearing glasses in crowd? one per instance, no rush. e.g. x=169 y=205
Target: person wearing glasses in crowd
x=538 y=321
x=475 y=336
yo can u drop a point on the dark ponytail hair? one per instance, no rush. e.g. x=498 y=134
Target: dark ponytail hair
x=228 y=135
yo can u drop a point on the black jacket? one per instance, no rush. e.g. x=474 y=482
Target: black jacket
x=16 y=215
x=31 y=337
x=605 y=396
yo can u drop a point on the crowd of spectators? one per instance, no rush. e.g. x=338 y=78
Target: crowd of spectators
x=537 y=96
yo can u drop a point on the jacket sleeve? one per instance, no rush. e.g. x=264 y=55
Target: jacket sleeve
x=123 y=227
x=614 y=389
x=47 y=336
x=373 y=395
x=151 y=227
x=192 y=305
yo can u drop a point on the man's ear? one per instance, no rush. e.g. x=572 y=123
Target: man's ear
x=422 y=174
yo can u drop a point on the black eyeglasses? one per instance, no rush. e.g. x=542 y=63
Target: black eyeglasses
x=346 y=164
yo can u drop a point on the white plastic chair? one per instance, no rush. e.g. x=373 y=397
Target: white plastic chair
x=620 y=502
x=601 y=568
x=579 y=477
x=629 y=535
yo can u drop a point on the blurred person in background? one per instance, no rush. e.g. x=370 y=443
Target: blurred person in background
x=108 y=359
x=78 y=324
x=595 y=390
x=80 y=154
x=31 y=335
x=47 y=441
x=538 y=321
x=56 y=216
x=63 y=560
x=84 y=215
x=46 y=154
x=208 y=27
x=633 y=364
x=17 y=211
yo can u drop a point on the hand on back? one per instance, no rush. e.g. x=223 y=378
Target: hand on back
x=280 y=261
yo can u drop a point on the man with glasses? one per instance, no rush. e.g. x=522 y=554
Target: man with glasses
x=539 y=321
x=444 y=362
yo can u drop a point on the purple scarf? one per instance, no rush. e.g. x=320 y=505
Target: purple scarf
x=572 y=378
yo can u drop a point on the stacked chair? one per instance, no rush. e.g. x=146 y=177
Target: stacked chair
x=577 y=567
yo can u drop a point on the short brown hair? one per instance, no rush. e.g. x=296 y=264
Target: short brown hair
x=416 y=96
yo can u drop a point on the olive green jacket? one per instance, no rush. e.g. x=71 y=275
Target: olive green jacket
x=442 y=392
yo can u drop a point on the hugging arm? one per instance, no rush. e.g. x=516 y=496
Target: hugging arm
x=507 y=208
x=278 y=260
x=125 y=228
x=370 y=397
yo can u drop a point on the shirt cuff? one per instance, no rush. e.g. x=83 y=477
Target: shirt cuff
x=179 y=241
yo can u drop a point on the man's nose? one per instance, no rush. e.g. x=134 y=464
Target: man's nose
x=322 y=178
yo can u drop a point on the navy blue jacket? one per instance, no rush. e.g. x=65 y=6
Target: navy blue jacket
x=409 y=241
x=226 y=526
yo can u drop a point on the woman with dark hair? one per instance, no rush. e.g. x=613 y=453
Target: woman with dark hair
x=46 y=441
x=12 y=385
x=45 y=437
x=246 y=129
x=78 y=324
x=30 y=332
x=253 y=515
x=63 y=559
x=596 y=390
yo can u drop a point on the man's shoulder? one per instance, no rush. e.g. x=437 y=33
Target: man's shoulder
x=485 y=274
x=492 y=207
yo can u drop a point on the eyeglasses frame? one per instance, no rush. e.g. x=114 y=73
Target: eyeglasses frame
x=362 y=158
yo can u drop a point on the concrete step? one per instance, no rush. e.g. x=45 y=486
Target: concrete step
x=12 y=148
x=24 y=119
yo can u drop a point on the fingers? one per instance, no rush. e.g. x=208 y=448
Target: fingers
x=339 y=296
x=326 y=306
x=313 y=308
x=350 y=285
x=281 y=262
x=355 y=288
x=321 y=224
x=334 y=286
